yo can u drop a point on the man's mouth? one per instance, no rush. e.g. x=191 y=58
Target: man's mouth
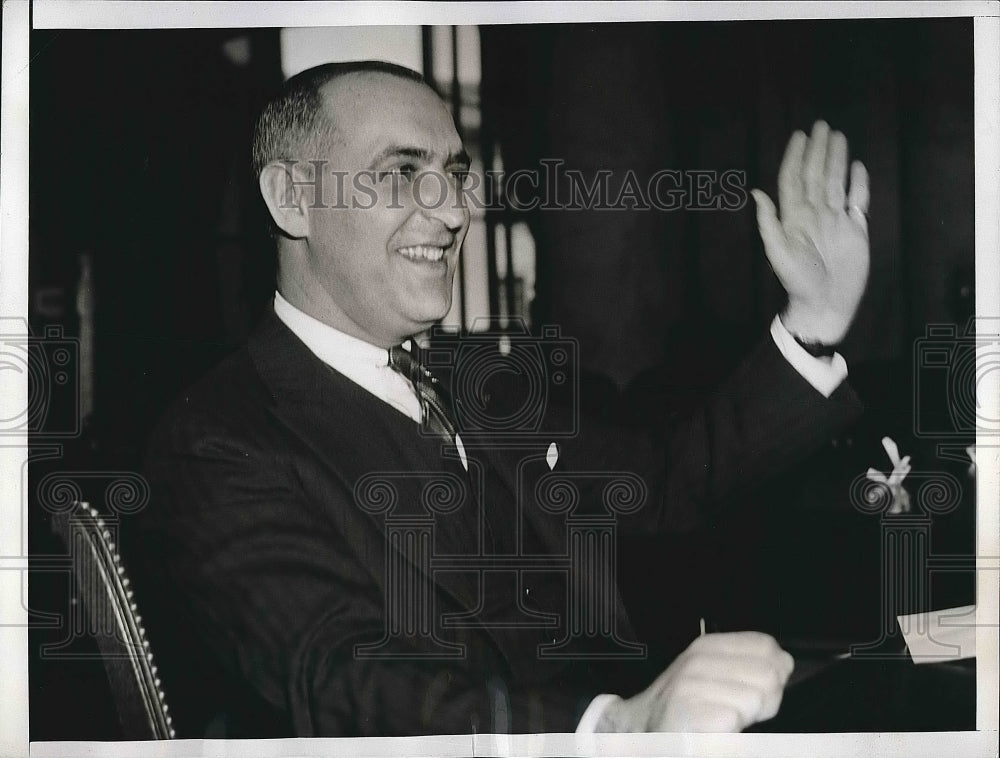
x=430 y=253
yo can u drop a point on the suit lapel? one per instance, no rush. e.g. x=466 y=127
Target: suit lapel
x=366 y=449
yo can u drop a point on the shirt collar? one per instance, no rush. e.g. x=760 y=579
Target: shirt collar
x=359 y=361
x=332 y=346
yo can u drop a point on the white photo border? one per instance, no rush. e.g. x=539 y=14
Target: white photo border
x=19 y=16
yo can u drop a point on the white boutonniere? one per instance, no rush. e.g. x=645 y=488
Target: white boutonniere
x=894 y=481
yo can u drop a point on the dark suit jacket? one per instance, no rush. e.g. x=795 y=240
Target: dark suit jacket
x=270 y=563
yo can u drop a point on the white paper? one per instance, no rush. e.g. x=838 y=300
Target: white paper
x=936 y=636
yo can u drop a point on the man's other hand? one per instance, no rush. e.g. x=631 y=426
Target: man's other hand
x=720 y=683
x=819 y=247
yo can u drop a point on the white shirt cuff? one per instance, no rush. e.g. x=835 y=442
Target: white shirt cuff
x=592 y=716
x=825 y=375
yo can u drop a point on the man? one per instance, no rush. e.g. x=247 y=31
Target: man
x=267 y=544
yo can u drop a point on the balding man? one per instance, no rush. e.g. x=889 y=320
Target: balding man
x=270 y=564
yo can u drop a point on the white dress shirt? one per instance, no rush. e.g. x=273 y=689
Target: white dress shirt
x=364 y=364
x=825 y=374
x=368 y=366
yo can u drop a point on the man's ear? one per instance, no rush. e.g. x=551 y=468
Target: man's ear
x=284 y=199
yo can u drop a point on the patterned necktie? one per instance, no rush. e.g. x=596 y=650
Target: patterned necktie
x=434 y=401
x=437 y=418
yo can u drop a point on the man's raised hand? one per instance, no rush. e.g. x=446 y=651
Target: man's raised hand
x=819 y=247
x=720 y=683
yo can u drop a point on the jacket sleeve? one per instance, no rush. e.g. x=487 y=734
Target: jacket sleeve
x=280 y=598
x=762 y=420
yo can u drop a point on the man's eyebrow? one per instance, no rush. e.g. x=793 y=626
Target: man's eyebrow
x=419 y=153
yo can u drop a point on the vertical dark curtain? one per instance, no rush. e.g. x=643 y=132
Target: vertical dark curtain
x=649 y=290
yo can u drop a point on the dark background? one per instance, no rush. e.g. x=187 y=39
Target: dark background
x=138 y=159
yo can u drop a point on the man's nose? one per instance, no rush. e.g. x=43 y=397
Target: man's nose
x=439 y=196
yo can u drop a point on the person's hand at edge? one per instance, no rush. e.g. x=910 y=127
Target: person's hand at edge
x=720 y=683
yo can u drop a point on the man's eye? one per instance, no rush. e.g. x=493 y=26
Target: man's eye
x=405 y=172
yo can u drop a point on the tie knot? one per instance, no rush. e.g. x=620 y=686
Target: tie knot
x=434 y=400
x=402 y=361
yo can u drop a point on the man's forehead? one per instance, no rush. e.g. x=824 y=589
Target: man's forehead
x=372 y=110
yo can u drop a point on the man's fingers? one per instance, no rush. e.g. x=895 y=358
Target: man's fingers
x=836 y=171
x=790 y=189
x=713 y=708
x=770 y=705
x=771 y=231
x=787 y=663
x=698 y=716
x=721 y=683
x=766 y=674
x=858 y=196
x=768 y=678
x=714 y=717
x=814 y=164
x=746 y=701
x=757 y=644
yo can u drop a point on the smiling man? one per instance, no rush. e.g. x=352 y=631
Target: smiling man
x=358 y=256
x=270 y=573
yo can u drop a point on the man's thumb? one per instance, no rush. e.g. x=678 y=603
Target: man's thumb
x=767 y=222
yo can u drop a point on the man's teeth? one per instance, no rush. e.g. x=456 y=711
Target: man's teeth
x=423 y=252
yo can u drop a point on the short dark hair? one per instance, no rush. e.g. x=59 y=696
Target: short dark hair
x=293 y=121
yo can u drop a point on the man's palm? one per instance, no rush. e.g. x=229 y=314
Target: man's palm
x=819 y=248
